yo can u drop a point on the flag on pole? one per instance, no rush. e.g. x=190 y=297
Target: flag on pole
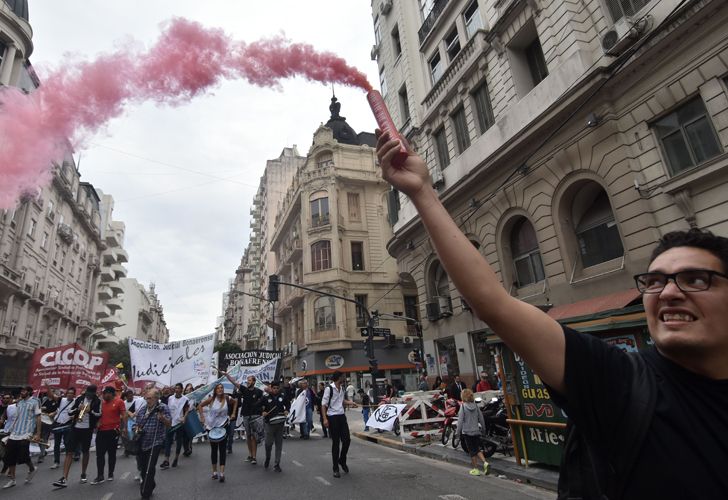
x=297 y=415
x=384 y=416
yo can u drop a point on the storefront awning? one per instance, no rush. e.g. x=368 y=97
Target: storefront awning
x=589 y=307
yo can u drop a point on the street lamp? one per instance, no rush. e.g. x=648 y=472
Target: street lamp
x=89 y=342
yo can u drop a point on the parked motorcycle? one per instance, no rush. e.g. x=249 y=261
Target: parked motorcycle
x=497 y=431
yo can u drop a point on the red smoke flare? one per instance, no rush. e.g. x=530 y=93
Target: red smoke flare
x=74 y=102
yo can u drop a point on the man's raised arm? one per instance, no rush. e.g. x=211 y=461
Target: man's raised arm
x=527 y=330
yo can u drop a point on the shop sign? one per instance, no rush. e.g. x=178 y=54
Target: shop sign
x=334 y=361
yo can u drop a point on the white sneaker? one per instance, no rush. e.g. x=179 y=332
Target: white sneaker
x=55 y=465
x=31 y=473
x=9 y=484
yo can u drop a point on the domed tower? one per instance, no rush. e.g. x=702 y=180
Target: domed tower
x=16 y=45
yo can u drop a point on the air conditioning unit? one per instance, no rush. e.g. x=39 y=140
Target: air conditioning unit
x=445 y=304
x=407 y=340
x=622 y=35
x=433 y=311
x=385 y=7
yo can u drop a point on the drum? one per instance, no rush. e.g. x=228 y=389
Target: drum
x=46 y=419
x=61 y=428
x=192 y=424
x=278 y=419
x=217 y=434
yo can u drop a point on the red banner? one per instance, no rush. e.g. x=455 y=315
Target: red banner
x=67 y=366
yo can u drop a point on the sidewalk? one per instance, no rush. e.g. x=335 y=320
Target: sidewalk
x=536 y=474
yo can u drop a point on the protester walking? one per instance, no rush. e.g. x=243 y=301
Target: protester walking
x=306 y=427
x=179 y=406
x=319 y=397
x=216 y=423
x=275 y=406
x=153 y=420
x=333 y=405
x=26 y=425
x=249 y=399
x=48 y=408
x=86 y=410
x=365 y=407
x=110 y=425
x=61 y=427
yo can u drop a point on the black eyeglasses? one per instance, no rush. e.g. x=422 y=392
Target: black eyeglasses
x=692 y=280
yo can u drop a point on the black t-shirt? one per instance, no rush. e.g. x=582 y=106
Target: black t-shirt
x=248 y=400
x=685 y=452
x=274 y=405
x=49 y=406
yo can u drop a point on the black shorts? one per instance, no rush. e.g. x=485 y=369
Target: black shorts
x=79 y=437
x=472 y=443
x=17 y=452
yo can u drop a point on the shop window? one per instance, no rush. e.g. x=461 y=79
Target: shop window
x=324 y=314
x=687 y=136
x=527 y=265
x=321 y=255
x=596 y=230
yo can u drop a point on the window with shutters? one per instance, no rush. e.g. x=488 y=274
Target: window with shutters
x=352 y=201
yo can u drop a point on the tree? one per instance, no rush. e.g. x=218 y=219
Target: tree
x=119 y=353
x=224 y=348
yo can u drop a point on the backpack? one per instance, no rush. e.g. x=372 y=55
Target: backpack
x=584 y=474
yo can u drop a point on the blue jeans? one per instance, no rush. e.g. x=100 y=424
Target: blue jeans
x=306 y=427
x=365 y=415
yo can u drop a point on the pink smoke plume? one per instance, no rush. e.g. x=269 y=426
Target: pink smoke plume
x=76 y=101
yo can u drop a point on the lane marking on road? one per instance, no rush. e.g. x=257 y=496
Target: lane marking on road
x=451 y=497
x=323 y=481
x=125 y=475
x=107 y=496
x=299 y=464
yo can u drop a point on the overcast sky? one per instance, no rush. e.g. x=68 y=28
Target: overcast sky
x=186 y=231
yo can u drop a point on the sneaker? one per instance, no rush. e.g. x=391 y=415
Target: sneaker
x=137 y=477
x=222 y=478
x=475 y=472
x=337 y=473
x=249 y=459
x=83 y=478
x=165 y=465
x=110 y=478
x=98 y=480
x=253 y=461
x=55 y=465
x=9 y=484
x=214 y=476
x=174 y=463
x=486 y=468
x=277 y=468
x=30 y=475
x=61 y=483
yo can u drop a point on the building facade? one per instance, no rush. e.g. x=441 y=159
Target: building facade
x=331 y=235
x=239 y=302
x=110 y=290
x=141 y=314
x=565 y=139
x=276 y=178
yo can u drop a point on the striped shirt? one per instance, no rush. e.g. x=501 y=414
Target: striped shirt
x=25 y=419
x=155 y=431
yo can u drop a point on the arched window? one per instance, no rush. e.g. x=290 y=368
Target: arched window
x=595 y=227
x=527 y=265
x=324 y=159
x=439 y=282
x=324 y=313
x=319 y=203
x=321 y=255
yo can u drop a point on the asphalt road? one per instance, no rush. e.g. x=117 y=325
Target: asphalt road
x=376 y=472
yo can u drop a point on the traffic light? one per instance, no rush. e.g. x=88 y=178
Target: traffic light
x=273 y=288
x=373 y=365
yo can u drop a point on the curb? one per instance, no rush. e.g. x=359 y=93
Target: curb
x=497 y=466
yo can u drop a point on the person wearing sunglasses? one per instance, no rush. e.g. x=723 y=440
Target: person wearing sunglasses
x=683 y=448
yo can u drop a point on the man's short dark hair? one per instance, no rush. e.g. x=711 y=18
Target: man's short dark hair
x=696 y=238
x=336 y=375
x=28 y=388
x=109 y=390
x=179 y=384
x=275 y=383
x=71 y=389
x=91 y=388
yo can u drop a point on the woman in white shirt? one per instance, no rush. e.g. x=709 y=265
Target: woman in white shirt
x=218 y=415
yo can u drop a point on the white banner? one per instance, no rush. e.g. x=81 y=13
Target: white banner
x=297 y=415
x=263 y=374
x=384 y=416
x=183 y=361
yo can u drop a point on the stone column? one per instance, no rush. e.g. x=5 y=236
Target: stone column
x=7 y=66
